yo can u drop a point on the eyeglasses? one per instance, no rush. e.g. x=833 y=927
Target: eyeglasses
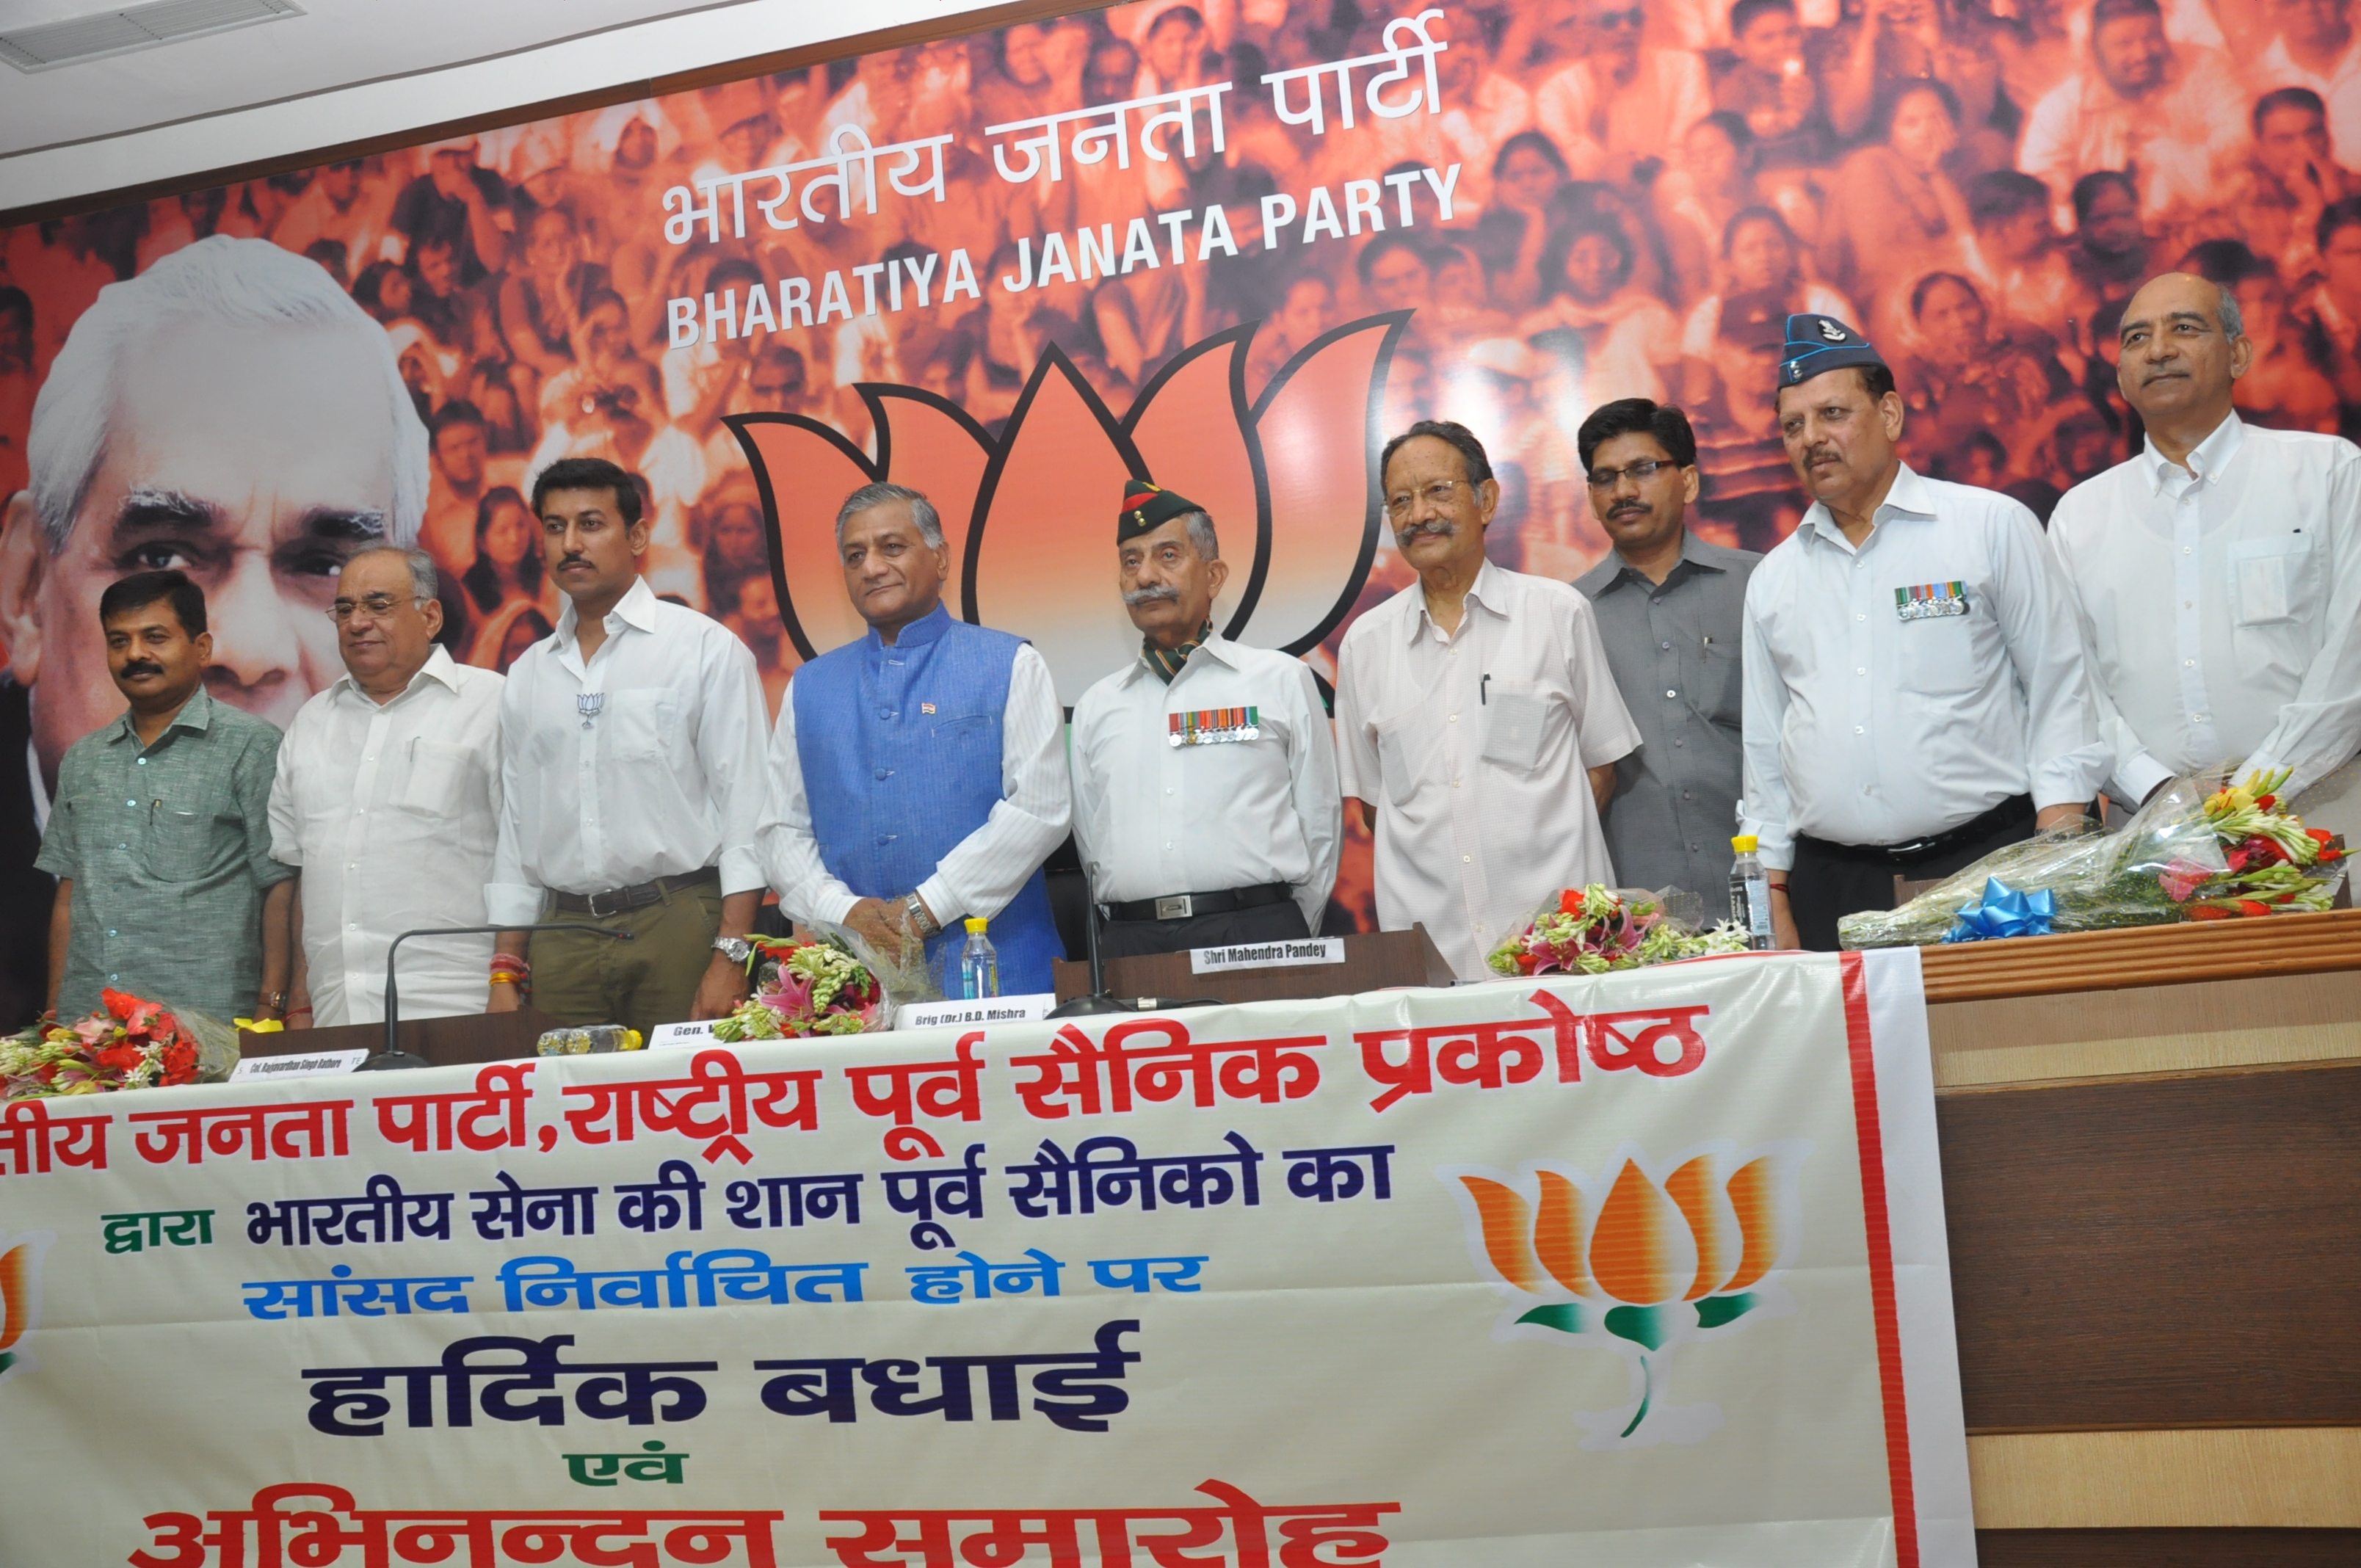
x=1639 y=473
x=1437 y=495
x=378 y=605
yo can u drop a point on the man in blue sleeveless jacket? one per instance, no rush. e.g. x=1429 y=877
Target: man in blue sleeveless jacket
x=934 y=782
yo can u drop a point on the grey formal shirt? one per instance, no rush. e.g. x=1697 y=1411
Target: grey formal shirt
x=168 y=847
x=1677 y=656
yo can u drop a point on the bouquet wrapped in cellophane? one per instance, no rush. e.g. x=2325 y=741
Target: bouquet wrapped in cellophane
x=2202 y=848
x=806 y=988
x=129 y=1043
x=1597 y=929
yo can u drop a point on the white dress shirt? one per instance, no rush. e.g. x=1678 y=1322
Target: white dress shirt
x=666 y=779
x=2223 y=601
x=1153 y=818
x=393 y=810
x=984 y=870
x=1474 y=746
x=1865 y=728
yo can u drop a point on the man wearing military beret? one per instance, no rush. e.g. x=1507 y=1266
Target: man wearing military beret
x=1206 y=806
x=1914 y=687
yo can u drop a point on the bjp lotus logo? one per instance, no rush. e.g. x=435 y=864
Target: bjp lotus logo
x=1290 y=481
x=1637 y=1265
x=20 y=1296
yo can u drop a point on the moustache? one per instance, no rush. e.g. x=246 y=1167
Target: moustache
x=1152 y=594
x=1628 y=509
x=1437 y=526
x=139 y=667
x=574 y=560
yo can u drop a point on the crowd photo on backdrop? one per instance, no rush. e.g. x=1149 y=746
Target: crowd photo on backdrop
x=1884 y=428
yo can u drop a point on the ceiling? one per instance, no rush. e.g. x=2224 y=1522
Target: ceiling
x=348 y=69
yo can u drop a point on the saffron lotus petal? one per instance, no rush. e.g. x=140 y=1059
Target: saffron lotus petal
x=805 y=470
x=1557 y=1232
x=1508 y=1221
x=1716 y=1230
x=16 y=1293
x=1190 y=428
x=1753 y=1199
x=1640 y=1250
x=933 y=446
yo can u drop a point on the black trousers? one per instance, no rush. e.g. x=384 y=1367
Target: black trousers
x=1831 y=881
x=1266 y=922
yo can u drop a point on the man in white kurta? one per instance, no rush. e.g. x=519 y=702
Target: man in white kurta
x=388 y=796
x=2218 y=572
x=1477 y=720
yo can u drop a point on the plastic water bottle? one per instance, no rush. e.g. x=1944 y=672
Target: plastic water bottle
x=1750 y=894
x=979 y=964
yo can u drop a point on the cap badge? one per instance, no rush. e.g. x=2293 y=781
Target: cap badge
x=1832 y=332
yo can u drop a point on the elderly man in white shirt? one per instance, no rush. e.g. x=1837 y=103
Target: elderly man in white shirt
x=1477 y=720
x=1916 y=695
x=1205 y=797
x=632 y=779
x=388 y=796
x=2218 y=572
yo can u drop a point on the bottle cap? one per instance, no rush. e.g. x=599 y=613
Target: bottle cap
x=1745 y=843
x=975 y=925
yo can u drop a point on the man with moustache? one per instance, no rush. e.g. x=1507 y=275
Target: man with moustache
x=1916 y=695
x=388 y=800
x=631 y=780
x=159 y=835
x=935 y=786
x=2218 y=572
x=1477 y=719
x=1206 y=806
x=1671 y=611
x=229 y=413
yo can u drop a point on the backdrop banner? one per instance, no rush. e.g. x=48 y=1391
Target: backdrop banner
x=1647 y=1268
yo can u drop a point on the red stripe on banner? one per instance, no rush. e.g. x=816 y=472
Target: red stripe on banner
x=1881 y=1260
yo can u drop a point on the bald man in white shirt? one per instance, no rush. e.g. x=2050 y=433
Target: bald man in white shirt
x=2218 y=572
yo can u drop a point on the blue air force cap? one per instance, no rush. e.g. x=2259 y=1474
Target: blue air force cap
x=1817 y=344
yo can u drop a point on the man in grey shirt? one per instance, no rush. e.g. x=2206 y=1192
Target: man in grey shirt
x=1670 y=608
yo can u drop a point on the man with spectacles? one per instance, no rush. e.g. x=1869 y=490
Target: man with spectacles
x=160 y=833
x=1477 y=719
x=1916 y=695
x=1671 y=611
x=388 y=800
x=630 y=782
x=1205 y=799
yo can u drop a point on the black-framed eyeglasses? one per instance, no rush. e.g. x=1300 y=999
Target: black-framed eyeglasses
x=1640 y=472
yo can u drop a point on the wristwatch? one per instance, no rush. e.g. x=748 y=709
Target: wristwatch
x=921 y=922
x=737 y=950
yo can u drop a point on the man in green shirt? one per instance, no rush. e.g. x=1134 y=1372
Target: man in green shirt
x=159 y=835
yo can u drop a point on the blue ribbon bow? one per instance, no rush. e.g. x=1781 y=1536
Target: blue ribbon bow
x=2004 y=912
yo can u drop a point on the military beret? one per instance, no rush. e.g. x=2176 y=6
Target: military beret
x=1147 y=508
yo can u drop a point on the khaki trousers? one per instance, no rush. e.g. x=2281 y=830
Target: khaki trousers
x=649 y=979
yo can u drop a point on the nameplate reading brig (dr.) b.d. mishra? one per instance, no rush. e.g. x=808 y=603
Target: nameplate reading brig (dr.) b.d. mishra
x=1267 y=955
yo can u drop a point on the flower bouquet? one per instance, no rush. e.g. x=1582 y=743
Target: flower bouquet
x=2202 y=848
x=806 y=988
x=1599 y=929
x=129 y=1044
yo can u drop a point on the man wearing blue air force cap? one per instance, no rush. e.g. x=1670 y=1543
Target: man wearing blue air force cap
x=1916 y=695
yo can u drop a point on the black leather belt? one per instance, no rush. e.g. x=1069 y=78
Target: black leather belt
x=2015 y=811
x=617 y=901
x=1189 y=906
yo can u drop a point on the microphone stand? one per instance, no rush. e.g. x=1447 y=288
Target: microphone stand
x=1097 y=1001
x=391 y=1057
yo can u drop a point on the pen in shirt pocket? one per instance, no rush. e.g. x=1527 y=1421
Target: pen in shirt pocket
x=1483 y=694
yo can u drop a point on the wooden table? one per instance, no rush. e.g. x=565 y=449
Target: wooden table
x=2152 y=1175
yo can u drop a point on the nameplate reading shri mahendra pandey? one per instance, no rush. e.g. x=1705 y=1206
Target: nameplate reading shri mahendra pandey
x=1267 y=955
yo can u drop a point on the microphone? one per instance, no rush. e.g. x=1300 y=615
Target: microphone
x=1097 y=1001
x=391 y=1057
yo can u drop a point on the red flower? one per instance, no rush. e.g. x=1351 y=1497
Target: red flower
x=1569 y=903
x=2248 y=907
x=179 y=1062
x=118 y=1059
x=2326 y=840
x=1527 y=964
x=118 y=1003
x=2208 y=912
x=2265 y=802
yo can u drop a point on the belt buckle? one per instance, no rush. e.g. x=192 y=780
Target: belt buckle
x=1176 y=908
x=590 y=901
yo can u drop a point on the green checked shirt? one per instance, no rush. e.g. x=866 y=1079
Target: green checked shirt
x=168 y=847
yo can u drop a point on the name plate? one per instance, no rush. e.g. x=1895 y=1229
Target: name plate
x=676 y=1036
x=298 y=1064
x=960 y=1013
x=1267 y=954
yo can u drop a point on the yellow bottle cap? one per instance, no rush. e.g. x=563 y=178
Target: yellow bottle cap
x=1745 y=843
x=975 y=925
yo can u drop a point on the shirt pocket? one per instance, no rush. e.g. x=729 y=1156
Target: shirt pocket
x=1516 y=722
x=182 y=845
x=1938 y=653
x=440 y=778
x=1403 y=753
x=641 y=725
x=2270 y=580
x=1721 y=685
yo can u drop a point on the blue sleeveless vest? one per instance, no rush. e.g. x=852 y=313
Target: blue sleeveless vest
x=901 y=758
